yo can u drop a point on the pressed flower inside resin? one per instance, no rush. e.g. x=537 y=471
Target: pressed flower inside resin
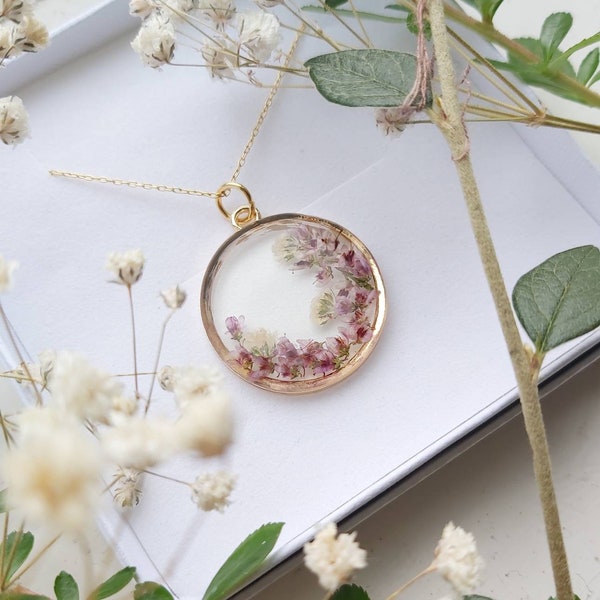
x=293 y=303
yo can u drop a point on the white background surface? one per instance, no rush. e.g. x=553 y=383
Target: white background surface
x=490 y=490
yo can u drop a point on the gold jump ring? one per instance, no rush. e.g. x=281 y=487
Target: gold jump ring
x=243 y=215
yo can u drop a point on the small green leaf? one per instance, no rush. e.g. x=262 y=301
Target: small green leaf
x=554 y=31
x=19 y=596
x=114 y=584
x=588 y=66
x=65 y=587
x=364 y=77
x=350 y=592
x=244 y=561
x=559 y=299
x=24 y=542
x=476 y=597
x=487 y=8
x=335 y=3
x=413 y=26
x=149 y=590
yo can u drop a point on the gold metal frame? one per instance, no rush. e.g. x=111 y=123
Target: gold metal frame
x=299 y=386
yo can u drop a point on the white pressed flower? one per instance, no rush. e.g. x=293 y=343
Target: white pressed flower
x=81 y=389
x=139 y=442
x=128 y=267
x=220 y=12
x=14 y=10
x=260 y=341
x=334 y=558
x=166 y=378
x=10 y=37
x=155 y=41
x=211 y=491
x=143 y=8
x=6 y=266
x=173 y=297
x=206 y=426
x=127 y=492
x=220 y=57
x=258 y=33
x=14 y=121
x=52 y=474
x=457 y=559
x=33 y=35
x=392 y=121
x=192 y=383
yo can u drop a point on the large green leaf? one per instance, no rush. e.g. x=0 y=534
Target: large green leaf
x=559 y=299
x=65 y=587
x=24 y=545
x=554 y=31
x=350 y=592
x=244 y=561
x=113 y=584
x=364 y=77
x=149 y=590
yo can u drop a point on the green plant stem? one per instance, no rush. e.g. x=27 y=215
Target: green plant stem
x=490 y=33
x=575 y=48
x=452 y=127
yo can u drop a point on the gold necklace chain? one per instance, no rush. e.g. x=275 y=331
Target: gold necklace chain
x=240 y=217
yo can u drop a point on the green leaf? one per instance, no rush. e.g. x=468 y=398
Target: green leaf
x=24 y=545
x=3 y=508
x=335 y=3
x=413 y=26
x=554 y=31
x=588 y=66
x=244 y=561
x=65 y=587
x=114 y=584
x=559 y=299
x=476 y=597
x=364 y=77
x=19 y=596
x=149 y=590
x=487 y=8
x=350 y=592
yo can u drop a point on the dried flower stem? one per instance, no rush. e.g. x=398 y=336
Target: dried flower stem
x=312 y=26
x=7 y=561
x=15 y=345
x=361 y=23
x=429 y=569
x=134 y=342
x=451 y=125
x=161 y=476
x=36 y=558
x=335 y=14
x=161 y=340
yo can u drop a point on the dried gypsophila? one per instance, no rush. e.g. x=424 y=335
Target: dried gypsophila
x=14 y=10
x=267 y=3
x=155 y=41
x=14 y=122
x=6 y=266
x=259 y=33
x=211 y=491
x=219 y=12
x=127 y=492
x=334 y=558
x=173 y=297
x=128 y=267
x=190 y=383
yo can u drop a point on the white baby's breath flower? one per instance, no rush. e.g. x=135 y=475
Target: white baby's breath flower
x=14 y=10
x=52 y=474
x=206 y=425
x=220 y=57
x=139 y=442
x=192 y=383
x=127 y=492
x=220 y=12
x=14 y=121
x=6 y=268
x=210 y=491
x=33 y=35
x=81 y=389
x=334 y=558
x=267 y=3
x=173 y=297
x=128 y=267
x=143 y=8
x=155 y=41
x=457 y=559
x=10 y=37
x=258 y=33
x=392 y=121
x=122 y=405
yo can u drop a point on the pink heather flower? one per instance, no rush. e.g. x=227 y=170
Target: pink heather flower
x=235 y=327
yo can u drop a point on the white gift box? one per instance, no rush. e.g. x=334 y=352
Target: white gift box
x=440 y=375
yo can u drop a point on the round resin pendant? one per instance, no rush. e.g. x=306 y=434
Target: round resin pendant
x=292 y=303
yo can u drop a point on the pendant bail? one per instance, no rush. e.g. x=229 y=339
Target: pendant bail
x=243 y=215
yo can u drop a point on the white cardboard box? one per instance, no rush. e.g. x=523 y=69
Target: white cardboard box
x=440 y=371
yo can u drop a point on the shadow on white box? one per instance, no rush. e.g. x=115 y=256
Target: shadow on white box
x=439 y=379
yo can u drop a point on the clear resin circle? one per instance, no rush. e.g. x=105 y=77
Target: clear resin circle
x=293 y=303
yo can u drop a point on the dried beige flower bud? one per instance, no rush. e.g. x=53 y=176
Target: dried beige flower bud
x=258 y=33
x=14 y=121
x=220 y=12
x=33 y=35
x=6 y=266
x=166 y=378
x=173 y=297
x=392 y=121
x=128 y=491
x=155 y=41
x=268 y=3
x=14 y=10
x=127 y=266
x=211 y=491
